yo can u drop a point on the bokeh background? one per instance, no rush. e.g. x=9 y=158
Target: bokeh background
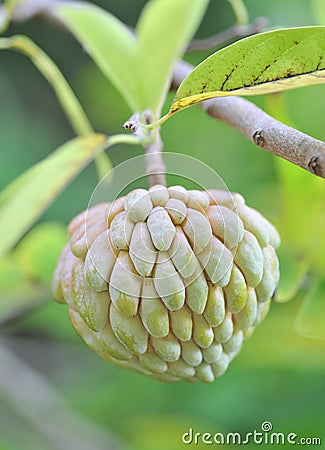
x=54 y=392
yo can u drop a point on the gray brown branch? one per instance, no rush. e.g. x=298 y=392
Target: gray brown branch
x=265 y=131
x=236 y=31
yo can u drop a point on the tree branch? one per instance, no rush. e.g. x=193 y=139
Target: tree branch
x=236 y=31
x=265 y=131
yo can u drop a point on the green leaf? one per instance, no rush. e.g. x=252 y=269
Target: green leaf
x=310 y=320
x=164 y=30
x=24 y=200
x=140 y=70
x=108 y=41
x=267 y=62
x=27 y=197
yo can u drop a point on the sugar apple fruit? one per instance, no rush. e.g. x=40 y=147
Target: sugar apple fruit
x=169 y=281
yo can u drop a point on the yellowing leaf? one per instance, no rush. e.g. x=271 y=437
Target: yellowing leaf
x=27 y=197
x=267 y=62
x=23 y=201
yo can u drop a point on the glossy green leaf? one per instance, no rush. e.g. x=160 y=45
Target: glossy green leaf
x=267 y=62
x=108 y=41
x=164 y=30
x=24 y=200
x=310 y=321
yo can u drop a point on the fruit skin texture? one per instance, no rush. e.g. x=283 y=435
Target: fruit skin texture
x=169 y=282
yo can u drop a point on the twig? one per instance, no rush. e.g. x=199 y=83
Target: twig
x=265 y=131
x=262 y=129
x=152 y=144
x=236 y=31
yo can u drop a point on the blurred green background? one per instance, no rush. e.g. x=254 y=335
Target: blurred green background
x=53 y=388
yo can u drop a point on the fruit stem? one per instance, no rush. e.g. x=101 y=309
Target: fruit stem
x=149 y=136
x=155 y=167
